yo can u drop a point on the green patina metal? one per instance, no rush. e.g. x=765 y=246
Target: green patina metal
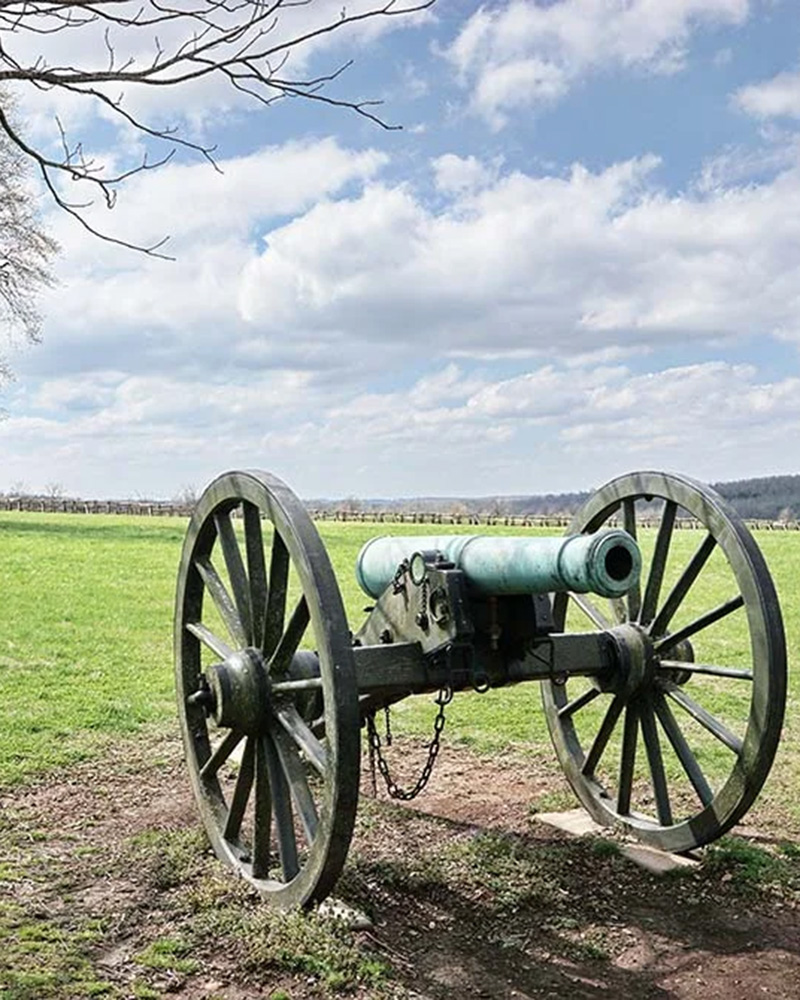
x=273 y=688
x=606 y=563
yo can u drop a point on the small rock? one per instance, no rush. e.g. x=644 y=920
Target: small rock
x=344 y=914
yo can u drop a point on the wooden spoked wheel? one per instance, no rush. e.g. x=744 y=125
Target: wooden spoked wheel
x=675 y=746
x=266 y=689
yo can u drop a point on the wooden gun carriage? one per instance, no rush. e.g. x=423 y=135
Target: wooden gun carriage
x=662 y=669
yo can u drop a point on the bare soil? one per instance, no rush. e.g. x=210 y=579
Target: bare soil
x=469 y=894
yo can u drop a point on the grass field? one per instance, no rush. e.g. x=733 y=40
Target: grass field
x=88 y=741
x=86 y=643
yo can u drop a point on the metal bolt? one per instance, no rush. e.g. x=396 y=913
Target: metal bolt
x=203 y=697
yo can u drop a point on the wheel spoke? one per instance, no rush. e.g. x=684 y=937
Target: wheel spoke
x=259 y=624
x=282 y=808
x=220 y=755
x=634 y=596
x=603 y=735
x=660 y=552
x=262 y=812
x=592 y=613
x=627 y=759
x=256 y=569
x=290 y=639
x=305 y=684
x=700 y=760
x=682 y=750
x=222 y=600
x=681 y=588
x=620 y=608
x=706 y=719
x=236 y=574
x=578 y=703
x=656 y=762
x=629 y=516
x=276 y=599
x=241 y=792
x=207 y=637
x=297 y=728
x=699 y=624
x=295 y=775
x=706 y=668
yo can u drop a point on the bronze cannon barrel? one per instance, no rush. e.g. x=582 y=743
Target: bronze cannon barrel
x=606 y=563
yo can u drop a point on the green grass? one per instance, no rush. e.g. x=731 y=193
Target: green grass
x=86 y=606
x=86 y=614
x=86 y=644
x=168 y=953
x=42 y=960
x=85 y=634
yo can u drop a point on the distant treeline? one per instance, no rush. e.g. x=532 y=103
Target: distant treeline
x=774 y=498
x=770 y=498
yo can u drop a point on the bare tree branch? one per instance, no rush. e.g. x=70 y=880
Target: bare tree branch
x=245 y=43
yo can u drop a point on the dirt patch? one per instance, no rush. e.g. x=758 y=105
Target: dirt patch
x=106 y=872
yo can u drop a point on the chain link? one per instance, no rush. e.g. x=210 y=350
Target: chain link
x=444 y=698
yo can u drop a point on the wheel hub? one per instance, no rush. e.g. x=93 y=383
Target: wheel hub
x=637 y=660
x=239 y=691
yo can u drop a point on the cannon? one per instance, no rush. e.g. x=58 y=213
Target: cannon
x=660 y=655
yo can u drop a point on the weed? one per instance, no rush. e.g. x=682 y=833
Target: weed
x=41 y=959
x=168 y=953
x=142 y=991
x=603 y=848
x=171 y=858
x=592 y=949
x=745 y=864
x=511 y=870
x=555 y=801
x=308 y=944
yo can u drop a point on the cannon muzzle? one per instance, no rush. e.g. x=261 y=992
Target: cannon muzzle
x=606 y=563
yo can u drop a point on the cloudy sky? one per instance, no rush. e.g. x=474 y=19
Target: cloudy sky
x=580 y=256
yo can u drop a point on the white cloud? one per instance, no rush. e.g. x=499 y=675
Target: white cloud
x=559 y=425
x=778 y=97
x=525 y=54
x=778 y=151
x=113 y=304
x=366 y=275
x=460 y=174
x=196 y=203
x=451 y=431
x=555 y=265
x=324 y=347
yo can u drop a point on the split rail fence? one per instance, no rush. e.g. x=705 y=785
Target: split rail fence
x=165 y=508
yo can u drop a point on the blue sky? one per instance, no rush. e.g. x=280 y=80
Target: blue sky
x=580 y=256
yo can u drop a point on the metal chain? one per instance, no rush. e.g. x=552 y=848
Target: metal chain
x=422 y=615
x=444 y=698
x=399 y=581
x=388 y=718
x=373 y=776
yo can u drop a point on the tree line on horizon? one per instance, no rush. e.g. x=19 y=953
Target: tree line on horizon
x=766 y=498
x=770 y=498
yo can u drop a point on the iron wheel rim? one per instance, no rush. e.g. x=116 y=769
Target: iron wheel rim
x=722 y=807
x=274 y=764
